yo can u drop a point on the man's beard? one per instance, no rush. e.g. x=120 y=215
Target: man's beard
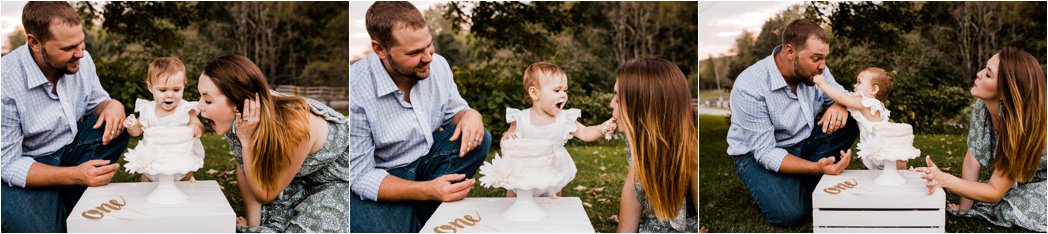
x=59 y=69
x=410 y=74
x=799 y=75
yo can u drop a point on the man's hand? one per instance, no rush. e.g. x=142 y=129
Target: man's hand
x=834 y=118
x=470 y=127
x=111 y=113
x=441 y=188
x=96 y=172
x=827 y=166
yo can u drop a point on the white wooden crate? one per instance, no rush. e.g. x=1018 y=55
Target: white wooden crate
x=563 y=215
x=869 y=207
x=206 y=210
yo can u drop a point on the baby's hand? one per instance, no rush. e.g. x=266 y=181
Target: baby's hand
x=130 y=121
x=198 y=128
x=819 y=79
x=509 y=136
x=608 y=128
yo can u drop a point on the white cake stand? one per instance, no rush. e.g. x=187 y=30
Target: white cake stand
x=166 y=192
x=889 y=175
x=524 y=207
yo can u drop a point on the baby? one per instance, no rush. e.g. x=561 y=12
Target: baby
x=866 y=104
x=546 y=86
x=166 y=80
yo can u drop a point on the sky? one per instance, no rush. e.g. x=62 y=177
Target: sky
x=359 y=41
x=721 y=22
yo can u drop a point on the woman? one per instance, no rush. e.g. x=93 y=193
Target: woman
x=652 y=106
x=292 y=153
x=1007 y=137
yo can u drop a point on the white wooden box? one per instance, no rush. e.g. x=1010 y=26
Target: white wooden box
x=869 y=207
x=563 y=214
x=100 y=210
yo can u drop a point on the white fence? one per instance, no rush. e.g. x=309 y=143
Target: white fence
x=336 y=97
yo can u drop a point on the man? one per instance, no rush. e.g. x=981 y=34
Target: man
x=61 y=131
x=415 y=141
x=780 y=151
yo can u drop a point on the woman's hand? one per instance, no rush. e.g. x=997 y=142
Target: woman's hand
x=241 y=221
x=935 y=177
x=247 y=121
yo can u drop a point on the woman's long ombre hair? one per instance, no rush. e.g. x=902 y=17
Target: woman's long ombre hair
x=282 y=121
x=655 y=107
x=1021 y=134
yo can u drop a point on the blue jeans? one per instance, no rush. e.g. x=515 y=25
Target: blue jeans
x=409 y=216
x=45 y=209
x=785 y=199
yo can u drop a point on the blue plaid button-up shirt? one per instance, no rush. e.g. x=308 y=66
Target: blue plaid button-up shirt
x=37 y=122
x=388 y=132
x=766 y=116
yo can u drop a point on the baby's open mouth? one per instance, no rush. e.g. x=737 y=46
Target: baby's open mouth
x=560 y=105
x=169 y=102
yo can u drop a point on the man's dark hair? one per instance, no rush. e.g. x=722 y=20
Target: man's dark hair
x=37 y=17
x=383 y=17
x=798 y=31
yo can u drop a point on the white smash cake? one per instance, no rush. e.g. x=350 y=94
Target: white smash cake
x=525 y=164
x=166 y=150
x=891 y=141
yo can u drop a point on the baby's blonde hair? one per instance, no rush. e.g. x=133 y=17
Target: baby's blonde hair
x=882 y=80
x=163 y=68
x=539 y=70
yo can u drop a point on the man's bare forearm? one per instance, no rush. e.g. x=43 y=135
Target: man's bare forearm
x=795 y=165
x=395 y=189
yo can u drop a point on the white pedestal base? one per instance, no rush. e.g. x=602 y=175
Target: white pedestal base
x=166 y=193
x=889 y=175
x=524 y=208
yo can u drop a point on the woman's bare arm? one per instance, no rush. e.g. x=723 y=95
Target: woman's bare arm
x=252 y=209
x=629 y=206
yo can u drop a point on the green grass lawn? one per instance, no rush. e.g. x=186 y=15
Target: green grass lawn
x=601 y=172
x=726 y=205
x=219 y=165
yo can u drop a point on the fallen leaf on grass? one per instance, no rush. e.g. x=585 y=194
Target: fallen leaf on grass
x=615 y=218
x=704 y=229
x=580 y=188
x=587 y=205
x=211 y=171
